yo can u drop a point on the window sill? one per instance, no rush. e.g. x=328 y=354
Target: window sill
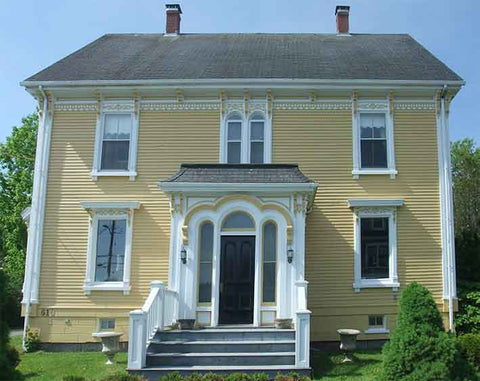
x=377 y=331
x=357 y=172
x=376 y=283
x=88 y=287
x=97 y=174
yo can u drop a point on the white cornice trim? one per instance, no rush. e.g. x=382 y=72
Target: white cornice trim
x=244 y=82
x=380 y=202
x=216 y=188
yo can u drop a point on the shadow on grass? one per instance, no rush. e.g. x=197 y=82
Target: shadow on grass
x=329 y=364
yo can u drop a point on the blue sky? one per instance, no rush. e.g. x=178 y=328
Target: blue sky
x=35 y=34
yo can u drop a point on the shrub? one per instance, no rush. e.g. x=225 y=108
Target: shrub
x=123 y=377
x=32 y=341
x=173 y=376
x=470 y=345
x=13 y=357
x=212 y=377
x=193 y=377
x=291 y=377
x=237 y=377
x=259 y=377
x=419 y=349
x=468 y=317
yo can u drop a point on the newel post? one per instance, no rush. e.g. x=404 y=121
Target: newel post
x=160 y=305
x=302 y=327
x=137 y=340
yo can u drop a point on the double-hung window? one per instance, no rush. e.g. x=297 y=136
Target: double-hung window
x=116 y=140
x=246 y=140
x=109 y=245
x=373 y=148
x=375 y=243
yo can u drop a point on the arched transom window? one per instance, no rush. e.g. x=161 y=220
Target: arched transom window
x=238 y=221
x=246 y=140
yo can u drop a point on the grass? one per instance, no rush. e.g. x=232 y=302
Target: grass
x=329 y=366
x=53 y=366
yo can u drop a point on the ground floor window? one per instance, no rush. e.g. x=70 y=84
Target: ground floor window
x=269 y=262
x=206 y=257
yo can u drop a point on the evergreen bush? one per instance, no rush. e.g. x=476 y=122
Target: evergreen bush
x=419 y=349
x=470 y=344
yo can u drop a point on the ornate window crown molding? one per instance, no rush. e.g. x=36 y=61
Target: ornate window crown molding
x=128 y=105
x=373 y=105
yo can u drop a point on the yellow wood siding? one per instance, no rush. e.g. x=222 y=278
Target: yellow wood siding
x=321 y=143
x=161 y=149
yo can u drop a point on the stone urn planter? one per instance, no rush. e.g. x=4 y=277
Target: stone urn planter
x=110 y=344
x=283 y=323
x=348 y=342
x=186 y=324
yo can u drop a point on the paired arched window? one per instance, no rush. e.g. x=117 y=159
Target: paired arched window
x=269 y=262
x=206 y=260
x=245 y=140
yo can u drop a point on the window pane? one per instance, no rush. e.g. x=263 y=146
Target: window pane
x=379 y=132
x=206 y=246
x=238 y=221
x=256 y=152
x=115 y=154
x=110 y=250
x=234 y=131
x=374 y=153
x=233 y=155
x=269 y=282
x=256 y=130
x=117 y=126
x=269 y=241
x=366 y=132
x=205 y=290
x=374 y=248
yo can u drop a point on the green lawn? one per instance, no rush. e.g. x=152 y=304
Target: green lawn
x=329 y=366
x=52 y=366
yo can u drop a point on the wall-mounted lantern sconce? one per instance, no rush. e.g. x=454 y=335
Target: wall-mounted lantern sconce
x=290 y=255
x=183 y=255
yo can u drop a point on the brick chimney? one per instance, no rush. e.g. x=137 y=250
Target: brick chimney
x=173 y=18
x=342 y=12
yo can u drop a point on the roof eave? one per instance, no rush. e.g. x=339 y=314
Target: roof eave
x=242 y=83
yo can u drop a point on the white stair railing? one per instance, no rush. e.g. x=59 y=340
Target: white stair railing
x=157 y=313
x=302 y=327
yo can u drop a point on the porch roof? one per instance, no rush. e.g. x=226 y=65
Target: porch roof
x=239 y=174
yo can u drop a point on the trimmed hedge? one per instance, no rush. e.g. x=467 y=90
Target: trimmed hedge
x=419 y=349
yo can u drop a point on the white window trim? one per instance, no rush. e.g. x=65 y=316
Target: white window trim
x=114 y=211
x=373 y=107
x=245 y=143
x=116 y=107
x=382 y=210
x=378 y=330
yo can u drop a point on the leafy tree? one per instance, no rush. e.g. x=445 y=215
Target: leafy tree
x=17 y=158
x=466 y=196
x=419 y=349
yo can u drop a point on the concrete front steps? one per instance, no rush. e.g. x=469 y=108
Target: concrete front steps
x=245 y=350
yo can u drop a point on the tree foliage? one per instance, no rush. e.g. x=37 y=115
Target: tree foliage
x=419 y=349
x=466 y=196
x=17 y=158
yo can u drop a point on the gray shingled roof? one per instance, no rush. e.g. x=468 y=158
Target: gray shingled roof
x=239 y=173
x=238 y=56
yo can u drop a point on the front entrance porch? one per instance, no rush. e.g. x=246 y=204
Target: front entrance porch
x=237 y=257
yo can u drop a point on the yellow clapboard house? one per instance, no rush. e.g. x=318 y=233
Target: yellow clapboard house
x=267 y=188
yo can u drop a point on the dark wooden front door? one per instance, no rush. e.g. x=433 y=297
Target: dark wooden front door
x=237 y=271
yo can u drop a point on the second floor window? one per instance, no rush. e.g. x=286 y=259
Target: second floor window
x=373 y=141
x=117 y=129
x=246 y=140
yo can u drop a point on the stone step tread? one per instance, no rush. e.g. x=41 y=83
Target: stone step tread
x=224 y=367
x=223 y=342
x=226 y=330
x=222 y=354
